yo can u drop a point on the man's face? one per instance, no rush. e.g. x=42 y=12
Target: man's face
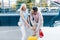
x=32 y=11
x=35 y=12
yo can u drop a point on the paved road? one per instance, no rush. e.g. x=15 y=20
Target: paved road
x=10 y=33
x=14 y=33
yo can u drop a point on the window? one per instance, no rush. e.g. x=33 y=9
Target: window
x=0 y=3
x=7 y=6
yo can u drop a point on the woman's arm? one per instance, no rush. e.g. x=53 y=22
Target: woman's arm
x=22 y=16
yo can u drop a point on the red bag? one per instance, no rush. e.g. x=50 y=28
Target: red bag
x=41 y=33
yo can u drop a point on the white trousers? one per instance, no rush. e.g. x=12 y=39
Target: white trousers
x=26 y=32
x=23 y=31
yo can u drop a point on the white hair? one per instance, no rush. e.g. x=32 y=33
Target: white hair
x=22 y=5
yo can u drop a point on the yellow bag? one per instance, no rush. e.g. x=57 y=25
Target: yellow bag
x=32 y=38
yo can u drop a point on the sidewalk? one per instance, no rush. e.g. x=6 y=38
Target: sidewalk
x=10 y=33
x=13 y=33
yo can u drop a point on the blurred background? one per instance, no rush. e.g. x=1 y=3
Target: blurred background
x=9 y=17
x=9 y=14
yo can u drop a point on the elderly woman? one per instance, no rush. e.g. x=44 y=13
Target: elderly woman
x=23 y=21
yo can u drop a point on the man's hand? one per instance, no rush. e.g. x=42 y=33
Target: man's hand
x=33 y=28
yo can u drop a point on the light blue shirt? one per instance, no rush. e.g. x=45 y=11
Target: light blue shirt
x=25 y=13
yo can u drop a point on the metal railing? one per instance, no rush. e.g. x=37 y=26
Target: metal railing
x=13 y=8
x=9 y=7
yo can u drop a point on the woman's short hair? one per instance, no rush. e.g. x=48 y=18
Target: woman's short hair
x=23 y=4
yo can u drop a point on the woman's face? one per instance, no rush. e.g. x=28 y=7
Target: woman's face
x=24 y=8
